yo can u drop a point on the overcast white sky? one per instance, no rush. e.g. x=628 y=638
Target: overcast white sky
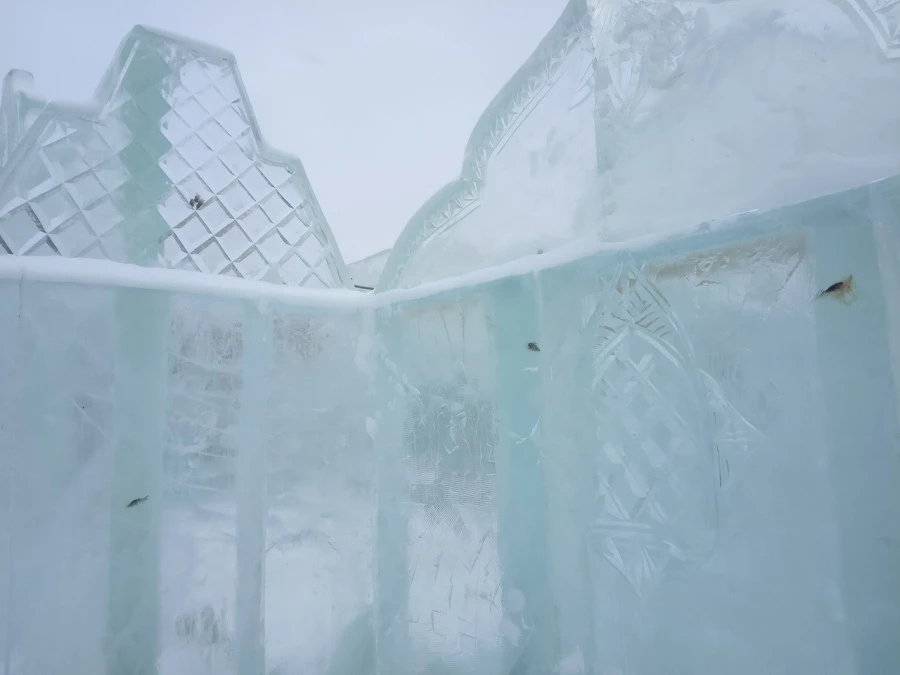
x=377 y=97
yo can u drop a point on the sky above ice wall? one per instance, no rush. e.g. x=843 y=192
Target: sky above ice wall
x=377 y=97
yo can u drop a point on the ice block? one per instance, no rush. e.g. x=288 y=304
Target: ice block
x=165 y=167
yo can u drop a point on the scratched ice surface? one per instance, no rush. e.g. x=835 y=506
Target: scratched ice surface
x=165 y=167
x=193 y=453
x=438 y=569
x=676 y=454
x=677 y=457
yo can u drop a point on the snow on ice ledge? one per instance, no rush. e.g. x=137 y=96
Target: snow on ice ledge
x=88 y=271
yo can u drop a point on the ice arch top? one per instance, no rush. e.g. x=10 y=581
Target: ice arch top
x=634 y=117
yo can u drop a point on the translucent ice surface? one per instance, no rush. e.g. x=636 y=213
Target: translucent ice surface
x=675 y=456
x=168 y=454
x=668 y=465
x=166 y=167
x=642 y=116
x=641 y=453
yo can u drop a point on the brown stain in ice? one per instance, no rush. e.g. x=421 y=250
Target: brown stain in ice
x=843 y=291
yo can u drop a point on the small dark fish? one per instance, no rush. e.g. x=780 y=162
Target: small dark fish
x=196 y=202
x=533 y=346
x=842 y=289
x=139 y=500
x=836 y=286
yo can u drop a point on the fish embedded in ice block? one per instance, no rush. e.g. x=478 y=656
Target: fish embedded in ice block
x=695 y=470
x=696 y=461
x=166 y=167
x=168 y=488
x=676 y=454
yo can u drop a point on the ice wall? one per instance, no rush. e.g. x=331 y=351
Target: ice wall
x=674 y=478
x=635 y=117
x=677 y=456
x=167 y=455
x=674 y=454
x=165 y=167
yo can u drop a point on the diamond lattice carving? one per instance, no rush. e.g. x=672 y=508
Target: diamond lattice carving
x=167 y=168
x=655 y=441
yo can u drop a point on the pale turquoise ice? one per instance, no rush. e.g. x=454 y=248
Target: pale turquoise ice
x=677 y=456
x=672 y=449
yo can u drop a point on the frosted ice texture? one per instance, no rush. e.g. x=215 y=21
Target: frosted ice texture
x=192 y=403
x=165 y=168
x=673 y=456
x=680 y=478
x=678 y=457
x=644 y=116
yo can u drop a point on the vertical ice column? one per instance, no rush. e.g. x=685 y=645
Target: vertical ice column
x=10 y=338
x=570 y=438
x=528 y=626
x=251 y=492
x=140 y=395
x=861 y=409
x=140 y=404
x=390 y=555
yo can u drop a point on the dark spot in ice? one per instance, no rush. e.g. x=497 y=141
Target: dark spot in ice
x=139 y=500
x=533 y=346
x=196 y=202
x=835 y=287
x=842 y=290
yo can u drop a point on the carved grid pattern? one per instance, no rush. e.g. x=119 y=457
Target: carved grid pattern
x=172 y=152
x=654 y=448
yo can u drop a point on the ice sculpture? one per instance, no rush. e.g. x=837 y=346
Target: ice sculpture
x=678 y=456
x=160 y=466
x=635 y=117
x=166 y=167
x=675 y=454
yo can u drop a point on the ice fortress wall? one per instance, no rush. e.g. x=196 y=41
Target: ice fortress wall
x=657 y=450
x=677 y=456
